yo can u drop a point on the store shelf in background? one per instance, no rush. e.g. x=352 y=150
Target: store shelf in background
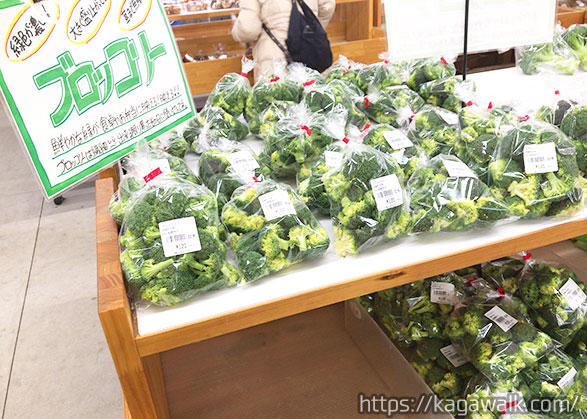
x=568 y=16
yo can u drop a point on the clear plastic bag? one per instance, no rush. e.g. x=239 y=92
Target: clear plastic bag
x=574 y=124
x=297 y=139
x=264 y=122
x=218 y=123
x=555 y=57
x=556 y=297
x=170 y=237
x=368 y=201
x=447 y=196
x=306 y=76
x=271 y=229
x=392 y=105
x=576 y=38
x=428 y=69
x=394 y=142
x=447 y=93
x=171 y=143
x=119 y=201
x=379 y=75
x=535 y=171
x=345 y=70
x=554 y=111
x=487 y=399
x=229 y=166
x=504 y=273
x=435 y=130
x=498 y=341
x=232 y=90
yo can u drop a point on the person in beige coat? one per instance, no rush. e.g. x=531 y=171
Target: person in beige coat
x=275 y=15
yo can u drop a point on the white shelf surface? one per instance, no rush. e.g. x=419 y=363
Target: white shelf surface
x=498 y=86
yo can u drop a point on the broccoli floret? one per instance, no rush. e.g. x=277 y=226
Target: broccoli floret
x=344 y=242
x=150 y=269
x=576 y=38
x=237 y=220
x=272 y=242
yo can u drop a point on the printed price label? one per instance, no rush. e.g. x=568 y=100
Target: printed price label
x=573 y=294
x=501 y=318
x=442 y=293
x=540 y=158
x=568 y=379
x=449 y=117
x=457 y=168
x=242 y=162
x=454 y=355
x=333 y=158
x=179 y=236
x=397 y=139
x=276 y=204
x=387 y=191
x=156 y=168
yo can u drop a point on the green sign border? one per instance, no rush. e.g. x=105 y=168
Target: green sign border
x=53 y=190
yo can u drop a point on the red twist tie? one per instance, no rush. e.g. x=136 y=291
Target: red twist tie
x=524 y=118
x=557 y=92
x=255 y=179
x=527 y=256
x=345 y=140
x=305 y=128
x=501 y=293
x=490 y=106
x=367 y=126
x=443 y=61
x=386 y=61
x=366 y=100
x=470 y=281
x=309 y=83
x=152 y=175
x=412 y=116
x=244 y=74
x=165 y=148
x=508 y=405
x=470 y=103
x=274 y=79
x=349 y=67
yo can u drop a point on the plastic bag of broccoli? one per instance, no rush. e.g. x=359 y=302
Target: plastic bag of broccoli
x=448 y=93
x=504 y=398
x=345 y=70
x=428 y=69
x=171 y=143
x=554 y=111
x=496 y=338
x=574 y=124
x=555 y=57
x=578 y=346
x=504 y=273
x=170 y=237
x=310 y=186
x=303 y=75
x=535 y=171
x=232 y=90
x=368 y=201
x=227 y=167
x=271 y=229
x=446 y=195
x=393 y=105
x=141 y=166
x=298 y=138
x=557 y=377
x=576 y=38
x=394 y=142
x=435 y=130
x=264 y=122
x=556 y=297
x=218 y=122
x=379 y=75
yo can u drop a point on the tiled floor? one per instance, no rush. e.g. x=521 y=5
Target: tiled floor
x=54 y=361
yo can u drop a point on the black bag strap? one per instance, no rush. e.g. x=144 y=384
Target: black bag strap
x=281 y=47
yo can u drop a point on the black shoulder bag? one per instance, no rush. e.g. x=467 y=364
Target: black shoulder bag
x=307 y=41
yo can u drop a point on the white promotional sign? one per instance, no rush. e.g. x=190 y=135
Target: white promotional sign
x=433 y=28
x=86 y=79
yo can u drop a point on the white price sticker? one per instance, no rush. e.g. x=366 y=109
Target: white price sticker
x=387 y=191
x=242 y=162
x=540 y=158
x=501 y=318
x=179 y=236
x=332 y=158
x=454 y=355
x=156 y=168
x=276 y=204
x=568 y=379
x=442 y=293
x=457 y=168
x=450 y=118
x=397 y=139
x=573 y=294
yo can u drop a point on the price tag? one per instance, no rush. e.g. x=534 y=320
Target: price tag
x=179 y=236
x=454 y=355
x=501 y=318
x=156 y=168
x=242 y=162
x=276 y=204
x=442 y=293
x=457 y=168
x=568 y=379
x=573 y=294
x=540 y=158
x=397 y=139
x=449 y=117
x=333 y=158
x=387 y=191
